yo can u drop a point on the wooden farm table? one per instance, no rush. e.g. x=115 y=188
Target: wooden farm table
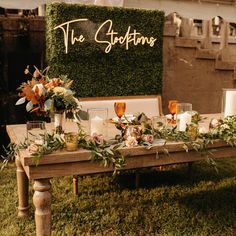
x=64 y=163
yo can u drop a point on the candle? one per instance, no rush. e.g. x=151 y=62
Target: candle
x=184 y=119
x=96 y=125
x=230 y=103
x=71 y=141
x=217 y=20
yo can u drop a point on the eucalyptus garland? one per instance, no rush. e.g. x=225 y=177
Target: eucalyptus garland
x=108 y=151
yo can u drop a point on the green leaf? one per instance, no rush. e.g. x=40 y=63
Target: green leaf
x=185 y=147
x=81 y=115
x=165 y=150
x=48 y=104
x=108 y=150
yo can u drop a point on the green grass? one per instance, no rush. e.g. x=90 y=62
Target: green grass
x=167 y=203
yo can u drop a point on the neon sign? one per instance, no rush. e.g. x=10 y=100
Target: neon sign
x=111 y=37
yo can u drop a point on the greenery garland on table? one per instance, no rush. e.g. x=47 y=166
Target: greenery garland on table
x=108 y=152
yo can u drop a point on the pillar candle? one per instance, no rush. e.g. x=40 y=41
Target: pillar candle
x=96 y=125
x=184 y=119
x=230 y=103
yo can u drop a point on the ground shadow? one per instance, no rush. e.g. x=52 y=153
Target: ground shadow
x=174 y=175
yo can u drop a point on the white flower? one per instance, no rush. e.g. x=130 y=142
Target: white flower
x=32 y=148
x=202 y=130
x=39 y=141
x=148 y=138
x=98 y=138
x=224 y=126
x=214 y=123
x=131 y=141
x=59 y=90
x=39 y=89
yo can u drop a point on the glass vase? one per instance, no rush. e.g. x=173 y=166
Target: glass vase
x=35 y=132
x=98 y=121
x=184 y=115
x=58 y=122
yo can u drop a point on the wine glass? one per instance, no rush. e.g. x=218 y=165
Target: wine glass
x=172 y=109
x=119 y=109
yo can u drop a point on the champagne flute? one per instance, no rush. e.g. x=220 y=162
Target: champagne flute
x=119 y=108
x=172 y=109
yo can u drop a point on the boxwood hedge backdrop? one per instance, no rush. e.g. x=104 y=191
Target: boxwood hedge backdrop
x=136 y=71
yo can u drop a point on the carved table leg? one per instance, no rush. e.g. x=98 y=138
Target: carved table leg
x=42 y=203
x=75 y=184
x=23 y=189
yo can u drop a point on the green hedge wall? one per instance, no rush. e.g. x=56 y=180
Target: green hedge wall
x=136 y=71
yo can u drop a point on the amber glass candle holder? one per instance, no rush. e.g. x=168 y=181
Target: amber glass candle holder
x=71 y=140
x=172 y=110
x=119 y=108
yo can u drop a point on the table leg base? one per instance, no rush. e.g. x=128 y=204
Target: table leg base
x=23 y=211
x=23 y=190
x=42 y=202
x=75 y=184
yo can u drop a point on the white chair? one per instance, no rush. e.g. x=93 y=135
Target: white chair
x=151 y=105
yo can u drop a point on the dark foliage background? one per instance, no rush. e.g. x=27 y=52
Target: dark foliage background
x=137 y=71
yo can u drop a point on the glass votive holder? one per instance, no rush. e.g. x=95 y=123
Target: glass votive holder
x=71 y=140
x=98 y=121
x=183 y=115
x=203 y=127
x=36 y=131
x=229 y=102
x=192 y=131
x=159 y=122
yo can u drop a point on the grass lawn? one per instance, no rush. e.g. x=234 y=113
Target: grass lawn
x=167 y=203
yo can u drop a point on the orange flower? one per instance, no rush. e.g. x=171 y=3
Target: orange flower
x=29 y=94
x=55 y=82
x=68 y=84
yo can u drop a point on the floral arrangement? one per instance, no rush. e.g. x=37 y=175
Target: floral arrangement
x=137 y=131
x=43 y=94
